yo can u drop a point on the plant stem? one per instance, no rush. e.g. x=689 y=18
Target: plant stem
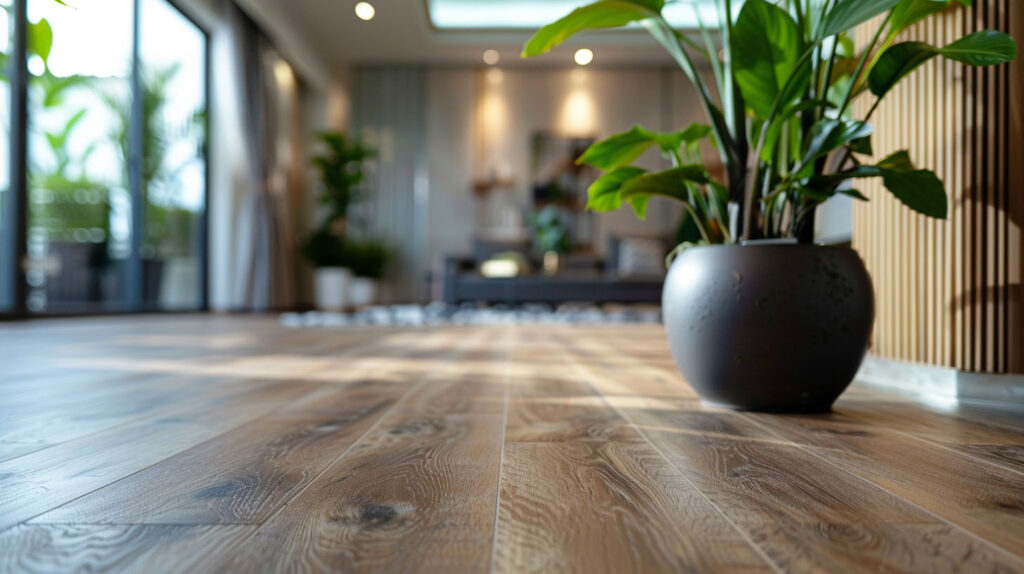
x=697 y=221
x=755 y=159
x=847 y=100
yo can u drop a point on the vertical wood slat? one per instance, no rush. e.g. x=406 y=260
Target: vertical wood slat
x=949 y=292
x=1015 y=201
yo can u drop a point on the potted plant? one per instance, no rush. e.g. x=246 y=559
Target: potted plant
x=327 y=253
x=341 y=173
x=368 y=261
x=757 y=317
x=550 y=237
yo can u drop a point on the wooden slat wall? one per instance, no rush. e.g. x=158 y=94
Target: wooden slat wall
x=949 y=292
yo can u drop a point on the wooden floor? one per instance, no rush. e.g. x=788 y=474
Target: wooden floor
x=208 y=444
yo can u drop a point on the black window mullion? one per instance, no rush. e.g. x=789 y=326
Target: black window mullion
x=14 y=226
x=133 y=276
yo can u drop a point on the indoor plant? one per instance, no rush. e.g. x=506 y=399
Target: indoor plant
x=753 y=325
x=341 y=173
x=550 y=237
x=367 y=260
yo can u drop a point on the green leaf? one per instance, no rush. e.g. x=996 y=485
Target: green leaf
x=985 y=48
x=40 y=39
x=604 y=194
x=766 y=47
x=849 y=14
x=896 y=63
x=599 y=15
x=618 y=150
x=919 y=190
x=624 y=148
x=827 y=135
x=669 y=183
x=898 y=162
x=854 y=194
x=639 y=204
x=909 y=12
x=862 y=146
x=814 y=194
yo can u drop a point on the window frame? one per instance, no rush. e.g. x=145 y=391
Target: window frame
x=14 y=227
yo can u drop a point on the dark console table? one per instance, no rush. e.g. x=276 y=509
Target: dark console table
x=463 y=283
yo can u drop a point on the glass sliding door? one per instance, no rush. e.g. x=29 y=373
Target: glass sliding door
x=172 y=54
x=7 y=249
x=79 y=198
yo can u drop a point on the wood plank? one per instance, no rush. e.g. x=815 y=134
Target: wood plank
x=547 y=403
x=806 y=513
x=417 y=493
x=629 y=511
x=116 y=548
x=35 y=483
x=247 y=474
x=637 y=515
x=994 y=512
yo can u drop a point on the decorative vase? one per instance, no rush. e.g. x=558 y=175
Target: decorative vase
x=332 y=284
x=552 y=263
x=780 y=328
x=361 y=292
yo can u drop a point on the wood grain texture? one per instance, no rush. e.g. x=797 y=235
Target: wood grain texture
x=806 y=512
x=417 y=493
x=584 y=506
x=234 y=444
x=116 y=548
x=896 y=463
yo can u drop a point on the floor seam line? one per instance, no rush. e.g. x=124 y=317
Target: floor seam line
x=958 y=452
x=423 y=380
x=346 y=352
x=317 y=388
x=757 y=549
x=506 y=376
x=941 y=519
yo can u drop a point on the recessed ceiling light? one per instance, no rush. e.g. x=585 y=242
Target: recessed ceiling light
x=491 y=57
x=365 y=11
x=584 y=56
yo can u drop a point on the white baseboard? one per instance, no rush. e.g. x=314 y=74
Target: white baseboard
x=942 y=382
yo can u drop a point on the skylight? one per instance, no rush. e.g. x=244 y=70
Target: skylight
x=531 y=14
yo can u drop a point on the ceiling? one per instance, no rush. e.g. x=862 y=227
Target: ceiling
x=402 y=32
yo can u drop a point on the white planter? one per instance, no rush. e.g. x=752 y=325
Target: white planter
x=332 y=286
x=362 y=292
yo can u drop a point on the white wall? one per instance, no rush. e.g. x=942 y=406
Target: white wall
x=480 y=123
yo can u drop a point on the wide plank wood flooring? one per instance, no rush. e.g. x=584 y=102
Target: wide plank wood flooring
x=234 y=444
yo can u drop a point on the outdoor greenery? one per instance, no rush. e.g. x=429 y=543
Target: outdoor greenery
x=785 y=75
x=170 y=228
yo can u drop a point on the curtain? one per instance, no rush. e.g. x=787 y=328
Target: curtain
x=262 y=277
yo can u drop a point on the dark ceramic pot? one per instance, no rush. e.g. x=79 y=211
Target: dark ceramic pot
x=779 y=328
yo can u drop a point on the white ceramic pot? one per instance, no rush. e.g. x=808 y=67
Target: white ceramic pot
x=362 y=292
x=332 y=286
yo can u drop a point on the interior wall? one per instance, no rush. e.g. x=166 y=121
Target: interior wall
x=948 y=292
x=391 y=109
x=480 y=122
